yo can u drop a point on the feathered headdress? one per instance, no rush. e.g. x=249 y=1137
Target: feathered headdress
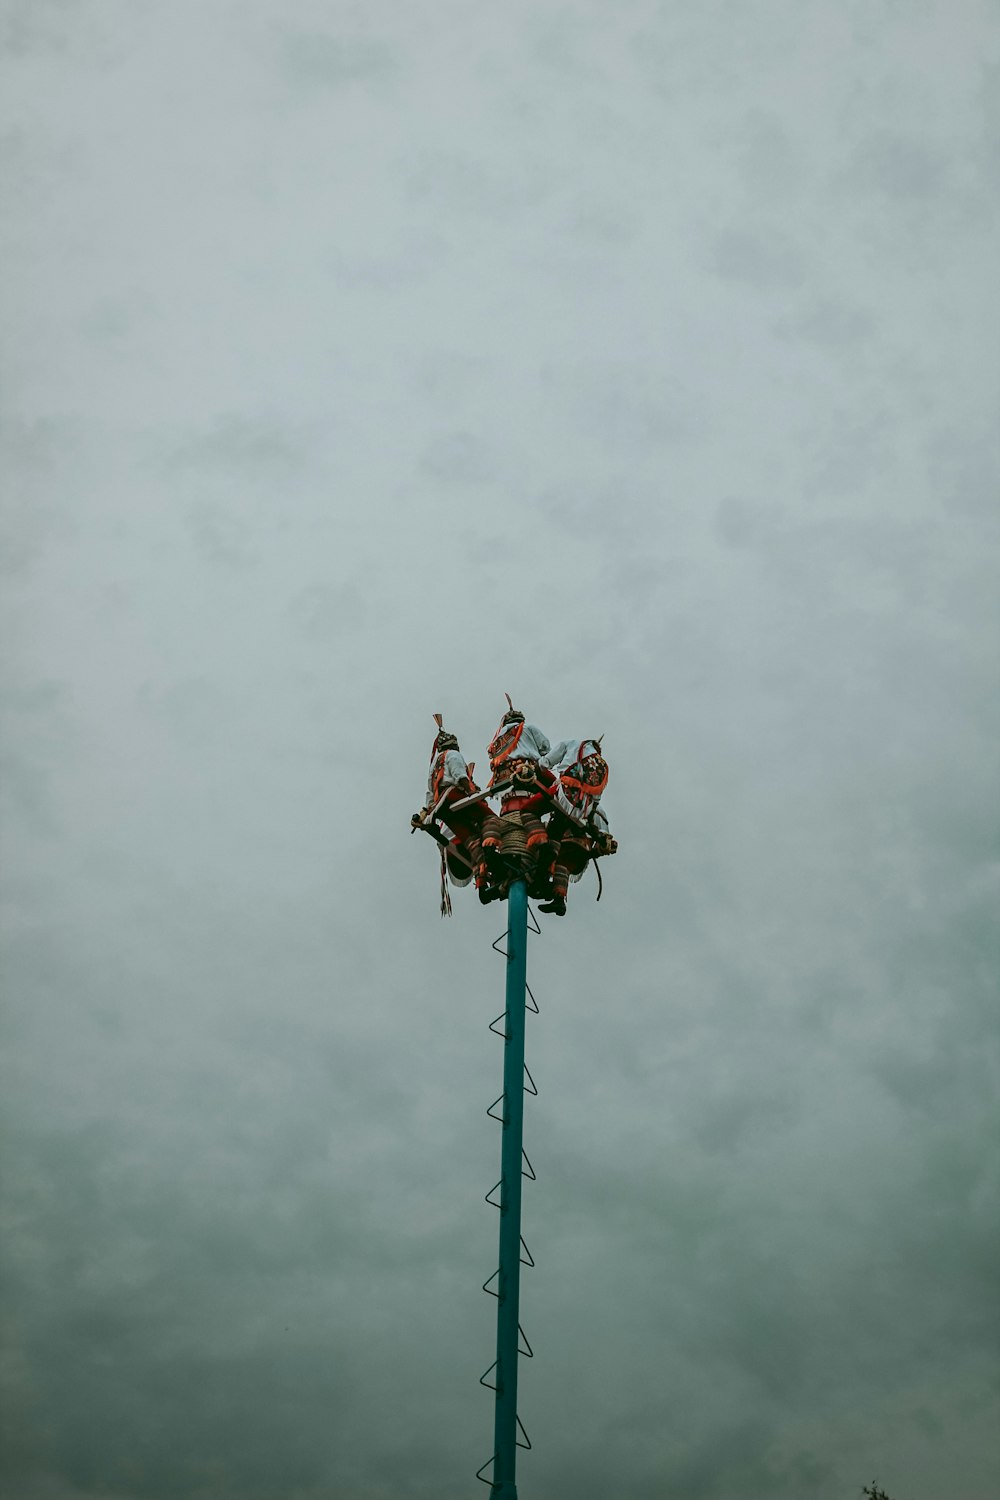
x=444 y=739
x=513 y=715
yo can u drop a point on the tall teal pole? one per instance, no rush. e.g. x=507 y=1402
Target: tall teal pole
x=505 y=1427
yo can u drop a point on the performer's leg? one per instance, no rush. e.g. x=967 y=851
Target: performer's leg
x=537 y=836
x=535 y=845
x=571 y=859
x=492 y=831
x=560 y=887
x=541 y=880
x=459 y=869
x=467 y=831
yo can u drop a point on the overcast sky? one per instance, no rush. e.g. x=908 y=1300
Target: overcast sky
x=369 y=360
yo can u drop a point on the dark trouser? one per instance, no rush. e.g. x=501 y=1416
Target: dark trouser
x=571 y=852
x=465 y=853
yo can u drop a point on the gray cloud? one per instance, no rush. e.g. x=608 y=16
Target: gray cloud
x=899 y=166
x=257 y=449
x=369 y=365
x=757 y=261
x=832 y=324
x=315 y=59
x=323 y=612
x=457 y=458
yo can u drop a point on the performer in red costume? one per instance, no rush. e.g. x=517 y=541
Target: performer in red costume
x=578 y=828
x=449 y=781
x=514 y=838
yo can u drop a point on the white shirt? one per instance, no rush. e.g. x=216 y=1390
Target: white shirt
x=532 y=745
x=455 y=770
x=568 y=752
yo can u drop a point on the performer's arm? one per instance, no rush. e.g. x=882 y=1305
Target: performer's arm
x=456 y=772
x=600 y=831
x=555 y=755
x=537 y=739
x=454 y=783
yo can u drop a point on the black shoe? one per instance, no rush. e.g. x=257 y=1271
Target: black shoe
x=557 y=906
